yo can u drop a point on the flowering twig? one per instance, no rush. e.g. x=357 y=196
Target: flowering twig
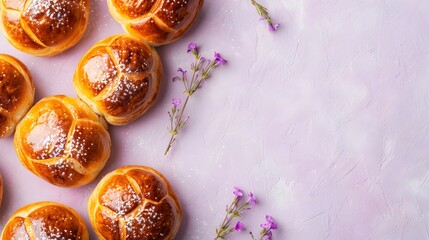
x=201 y=69
x=234 y=211
x=266 y=232
x=263 y=12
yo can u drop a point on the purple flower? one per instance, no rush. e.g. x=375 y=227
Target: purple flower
x=176 y=78
x=270 y=224
x=238 y=193
x=218 y=59
x=269 y=234
x=252 y=199
x=273 y=26
x=192 y=47
x=181 y=70
x=176 y=102
x=202 y=60
x=239 y=227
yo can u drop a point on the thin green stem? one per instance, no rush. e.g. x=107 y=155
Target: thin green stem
x=176 y=128
x=262 y=11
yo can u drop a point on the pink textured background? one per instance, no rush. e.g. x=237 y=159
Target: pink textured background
x=326 y=121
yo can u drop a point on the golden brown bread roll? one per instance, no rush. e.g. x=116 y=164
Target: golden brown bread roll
x=62 y=141
x=16 y=93
x=134 y=203
x=45 y=220
x=43 y=27
x=119 y=78
x=156 y=21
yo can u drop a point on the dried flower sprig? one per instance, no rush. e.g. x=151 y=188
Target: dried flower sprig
x=267 y=227
x=201 y=69
x=263 y=12
x=234 y=210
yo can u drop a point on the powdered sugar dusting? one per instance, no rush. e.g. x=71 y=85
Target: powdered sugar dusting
x=47 y=221
x=45 y=27
x=63 y=149
x=119 y=74
x=142 y=219
x=53 y=21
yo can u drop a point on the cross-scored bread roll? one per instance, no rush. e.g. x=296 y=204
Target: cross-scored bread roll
x=119 y=78
x=45 y=220
x=134 y=203
x=43 y=27
x=156 y=21
x=16 y=93
x=62 y=141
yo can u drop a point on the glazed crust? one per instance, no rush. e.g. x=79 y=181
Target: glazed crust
x=63 y=141
x=119 y=78
x=43 y=27
x=45 y=220
x=16 y=93
x=134 y=203
x=158 y=22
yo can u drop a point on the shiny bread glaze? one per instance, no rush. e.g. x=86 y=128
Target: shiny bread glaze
x=62 y=141
x=16 y=93
x=158 y=22
x=45 y=220
x=43 y=27
x=134 y=203
x=119 y=78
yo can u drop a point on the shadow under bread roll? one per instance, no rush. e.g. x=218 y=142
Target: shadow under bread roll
x=1 y=190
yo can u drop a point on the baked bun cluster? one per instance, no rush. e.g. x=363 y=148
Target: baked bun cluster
x=16 y=93
x=45 y=220
x=43 y=27
x=134 y=203
x=62 y=141
x=119 y=78
x=158 y=22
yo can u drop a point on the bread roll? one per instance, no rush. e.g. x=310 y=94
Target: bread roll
x=43 y=27
x=16 y=93
x=119 y=78
x=62 y=141
x=45 y=220
x=134 y=203
x=156 y=21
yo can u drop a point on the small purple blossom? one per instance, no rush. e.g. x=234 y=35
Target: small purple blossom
x=239 y=226
x=218 y=59
x=176 y=102
x=238 y=193
x=202 y=59
x=176 y=78
x=181 y=70
x=268 y=226
x=252 y=199
x=192 y=47
x=273 y=26
x=269 y=235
